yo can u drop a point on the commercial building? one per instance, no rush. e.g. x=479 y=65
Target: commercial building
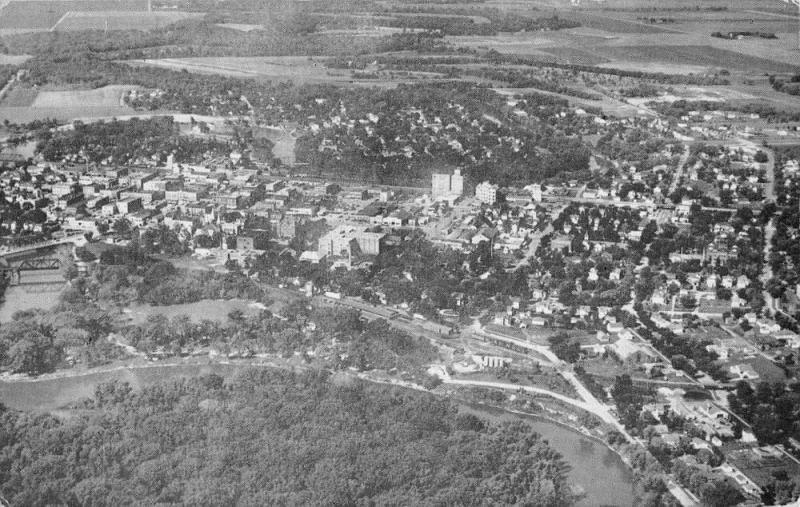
x=447 y=187
x=346 y=240
x=486 y=192
x=129 y=205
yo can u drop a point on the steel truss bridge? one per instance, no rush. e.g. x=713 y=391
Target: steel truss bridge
x=14 y=273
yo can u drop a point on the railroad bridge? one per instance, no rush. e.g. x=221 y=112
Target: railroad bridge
x=14 y=273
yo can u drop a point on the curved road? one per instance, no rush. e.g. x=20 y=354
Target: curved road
x=536 y=390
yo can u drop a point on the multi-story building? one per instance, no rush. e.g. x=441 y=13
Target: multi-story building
x=154 y=185
x=536 y=192
x=188 y=194
x=285 y=226
x=146 y=197
x=129 y=205
x=63 y=188
x=446 y=186
x=340 y=242
x=486 y=192
x=137 y=179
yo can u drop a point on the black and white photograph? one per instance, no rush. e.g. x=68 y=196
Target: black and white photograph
x=401 y=253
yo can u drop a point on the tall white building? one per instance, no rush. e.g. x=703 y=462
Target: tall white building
x=536 y=192
x=447 y=187
x=486 y=192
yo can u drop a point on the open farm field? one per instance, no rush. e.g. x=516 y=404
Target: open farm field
x=292 y=68
x=13 y=59
x=29 y=114
x=706 y=56
x=521 y=44
x=383 y=17
x=30 y=15
x=730 y=5
x=299 y=69
x=665 y=68
x=601 y=21
x=241 y=26
x=67 y=105
x=107 y=96
x=43 y=15
x=475 y=19
x=780 y=27
x=783 y=52
x=119 y=20
x=566 y=54
x=765 y=94
x=370 y=31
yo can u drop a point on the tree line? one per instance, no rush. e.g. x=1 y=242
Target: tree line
x=269 y=437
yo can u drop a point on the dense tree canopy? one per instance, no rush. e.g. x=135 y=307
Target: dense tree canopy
x=273 y=437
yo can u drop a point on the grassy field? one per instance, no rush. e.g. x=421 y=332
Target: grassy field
x=67 y=114
x=601 y=21
x=30 y=15
x=43 y=15
x=298 y=69
x=20 y=298
x=666 y=68
x=688 y=4
x=241 y=26
x=566 y=54
x=613 y=34
x=108 y=96
x=23 y=105
x=518 y=43
x=119 y=20
x=284 y=143
x=19 y=96
x=704 y=56
x=13 y=59
x=52 y=394
x=206 y=309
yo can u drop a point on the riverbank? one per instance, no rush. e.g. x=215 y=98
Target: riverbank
x=53 y=391
x=617 y=488
x=26 y=297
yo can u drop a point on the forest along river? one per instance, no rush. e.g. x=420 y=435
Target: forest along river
x=594 y=467
x=598 y=470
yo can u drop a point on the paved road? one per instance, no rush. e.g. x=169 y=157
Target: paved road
x=769 y=229
x=588 y=402
x=685 y=498
x=516 y=387
x=16 y=77
x=679 y=171
x=537 y=237
x=769 y=190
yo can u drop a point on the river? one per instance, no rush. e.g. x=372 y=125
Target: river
x=597 y=469
x=594 y=467
x=26 y=297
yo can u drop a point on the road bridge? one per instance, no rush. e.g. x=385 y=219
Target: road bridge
x=6 y=251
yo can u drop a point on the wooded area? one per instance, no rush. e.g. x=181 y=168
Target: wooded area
x=273 y=437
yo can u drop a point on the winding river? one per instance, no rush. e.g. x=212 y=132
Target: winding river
x=594 y=467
